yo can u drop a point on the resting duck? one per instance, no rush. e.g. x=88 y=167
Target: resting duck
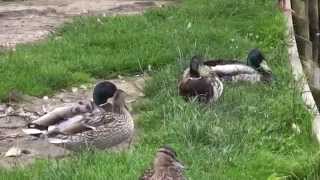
x=255 y=70
x=198 y=82
x=101 y=125
x=165 y=166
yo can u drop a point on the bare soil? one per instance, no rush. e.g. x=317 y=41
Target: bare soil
x=31 y=20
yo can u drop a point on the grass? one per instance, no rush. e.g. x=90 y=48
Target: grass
x=247 y=134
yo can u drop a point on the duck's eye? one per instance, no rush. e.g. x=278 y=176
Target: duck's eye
x=77 y=109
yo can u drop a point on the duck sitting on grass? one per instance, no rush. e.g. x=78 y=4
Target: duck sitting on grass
x=165 y=166
x=255 y=70
x=198 y=82
x=101 y=125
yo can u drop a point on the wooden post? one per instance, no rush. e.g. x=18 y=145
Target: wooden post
x=301 y=26
x=314 y=28
x=299 y=76
x=302 y=33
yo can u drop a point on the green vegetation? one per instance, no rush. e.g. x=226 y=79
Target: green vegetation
x=247 y=134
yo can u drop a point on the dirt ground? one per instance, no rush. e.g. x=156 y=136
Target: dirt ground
x=31 y=20
x=15 y=116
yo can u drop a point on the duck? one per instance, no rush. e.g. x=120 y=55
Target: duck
x=199 y=83
x=165 y=166
x=104 y=123
x=255 y=70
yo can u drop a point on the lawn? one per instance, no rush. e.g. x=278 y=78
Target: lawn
x=247 y=134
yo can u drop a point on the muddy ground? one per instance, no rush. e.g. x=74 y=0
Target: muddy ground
x=32 y=20
x=15 y=115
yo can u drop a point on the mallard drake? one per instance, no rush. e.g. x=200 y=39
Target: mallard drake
x=165 y=166
x=104 y=124
x=255 y=70
x=198 y=82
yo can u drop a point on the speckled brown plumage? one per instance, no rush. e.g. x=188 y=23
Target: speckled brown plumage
x=110 y=128
x=165 y=166
x=100 y=125
x=197 y=82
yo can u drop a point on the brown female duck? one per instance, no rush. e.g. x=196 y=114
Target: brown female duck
x=198 y=82
x=165 y=166
x=106 y=125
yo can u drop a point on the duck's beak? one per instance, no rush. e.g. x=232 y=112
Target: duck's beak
x=265 y=66
x=179 y=164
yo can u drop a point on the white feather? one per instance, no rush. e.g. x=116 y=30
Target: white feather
x=233 y=68
x=32 y=131
x=57 y=141
x=255 y=77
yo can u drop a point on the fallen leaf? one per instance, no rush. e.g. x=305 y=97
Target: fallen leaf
x=296 y=128
x=99 y=21
x=13 y=152
x=9 y=110
x=74 y=89
x=32 y=131
x=83 y=87
x=189 y=25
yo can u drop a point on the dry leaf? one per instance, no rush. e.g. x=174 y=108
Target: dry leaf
x=33 y=131
x=13 y=152
x=9 y=110
x=74 y=89
x=84 y=87
x=296 y=128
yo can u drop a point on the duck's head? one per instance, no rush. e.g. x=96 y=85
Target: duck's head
x=197 y=67
x=103 y=91
x=119 y=100
x=256 y=60
x=165 y=157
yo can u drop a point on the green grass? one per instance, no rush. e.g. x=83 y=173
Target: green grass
x=247 y=134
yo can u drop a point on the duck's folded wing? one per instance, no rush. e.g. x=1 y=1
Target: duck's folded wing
x=71 y=126
x=253 y=78
x=232 y=69
x=221 y=62
x=59 y=114
x=84 y=122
